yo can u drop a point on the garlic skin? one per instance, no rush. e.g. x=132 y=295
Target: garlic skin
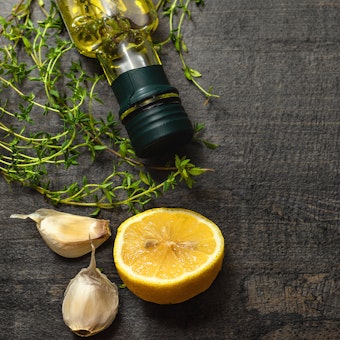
x=90 y=301
x=67 y=234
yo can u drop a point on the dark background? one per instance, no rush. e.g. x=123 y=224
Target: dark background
x=274 y=191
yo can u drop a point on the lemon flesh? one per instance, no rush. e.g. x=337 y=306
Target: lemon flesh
x=168 y=255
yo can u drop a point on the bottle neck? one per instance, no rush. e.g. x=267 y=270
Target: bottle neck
x=129 y=56
x=142 y=87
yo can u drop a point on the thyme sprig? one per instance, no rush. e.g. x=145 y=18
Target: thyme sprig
x=31 y=153
x=178 y=11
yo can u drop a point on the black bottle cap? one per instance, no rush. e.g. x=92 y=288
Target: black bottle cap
x=151 y=111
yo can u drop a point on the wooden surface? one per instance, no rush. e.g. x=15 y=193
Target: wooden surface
x=274 y=192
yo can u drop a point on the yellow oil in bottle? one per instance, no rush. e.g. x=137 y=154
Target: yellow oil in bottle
x=98 y=26
x=117 y=33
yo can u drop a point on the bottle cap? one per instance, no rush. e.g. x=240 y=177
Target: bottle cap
x=151 y=111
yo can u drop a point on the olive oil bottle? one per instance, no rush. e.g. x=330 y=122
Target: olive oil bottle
x=117 y=33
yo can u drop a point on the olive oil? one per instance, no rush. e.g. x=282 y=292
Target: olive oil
x=94 y=24
x=117 y=33
x=107 y=30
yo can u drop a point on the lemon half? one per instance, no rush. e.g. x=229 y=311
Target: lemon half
x=168 y=255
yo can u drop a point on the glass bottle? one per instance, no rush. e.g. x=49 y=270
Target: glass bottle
x=117 y=33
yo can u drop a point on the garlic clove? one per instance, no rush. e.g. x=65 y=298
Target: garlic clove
x=90 y=302
x=68 y=234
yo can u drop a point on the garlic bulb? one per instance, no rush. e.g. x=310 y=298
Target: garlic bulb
x=67 y=234
x=90 y=302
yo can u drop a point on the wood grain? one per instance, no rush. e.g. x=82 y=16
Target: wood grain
x=274 y=191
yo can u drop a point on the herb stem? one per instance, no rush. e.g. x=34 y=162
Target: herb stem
x=22 y=95
x=29 y=153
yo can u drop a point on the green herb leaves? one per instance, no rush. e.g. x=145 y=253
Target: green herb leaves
x=180 y=10
x=32 y=62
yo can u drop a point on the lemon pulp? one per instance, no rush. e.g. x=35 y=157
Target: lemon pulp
x=166 y=255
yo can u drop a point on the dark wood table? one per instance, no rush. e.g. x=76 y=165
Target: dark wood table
x=274 y=191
